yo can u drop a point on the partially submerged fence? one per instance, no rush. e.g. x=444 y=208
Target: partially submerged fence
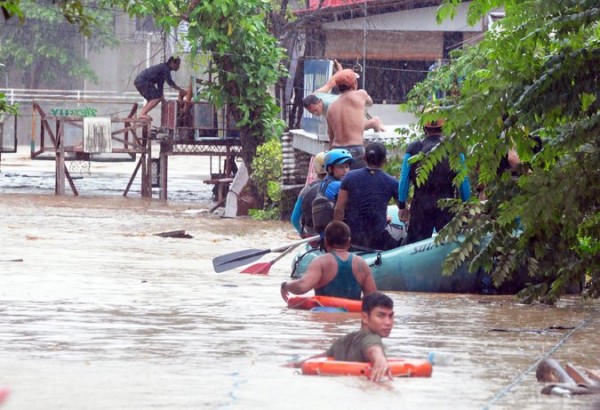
x=62 y=130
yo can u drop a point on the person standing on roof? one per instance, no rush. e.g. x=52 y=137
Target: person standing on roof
x=301 y=217
x=363 y=199
x=337 y=164
x=337 y=273
x=150 y=83
x=425 y=214
x=345 y=117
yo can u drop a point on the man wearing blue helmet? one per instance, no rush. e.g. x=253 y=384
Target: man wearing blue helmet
x=337 y=164
x=302 y=214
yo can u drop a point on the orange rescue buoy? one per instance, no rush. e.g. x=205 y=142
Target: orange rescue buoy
x=311 y=302
x=327 y=366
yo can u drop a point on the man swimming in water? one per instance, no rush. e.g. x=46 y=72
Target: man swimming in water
x=365 y=345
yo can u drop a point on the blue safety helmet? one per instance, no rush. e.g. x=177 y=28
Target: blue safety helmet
x=338 y=156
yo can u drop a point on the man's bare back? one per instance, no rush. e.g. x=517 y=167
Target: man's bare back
x=345 y=118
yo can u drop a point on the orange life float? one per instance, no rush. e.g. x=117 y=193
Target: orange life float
x=327 y=366
x=311 y=302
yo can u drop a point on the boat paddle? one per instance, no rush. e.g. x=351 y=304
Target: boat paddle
x=262 y=268
x=236 y=259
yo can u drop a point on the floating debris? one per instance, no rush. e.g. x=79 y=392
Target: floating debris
x=174 y=234
x=568 y=381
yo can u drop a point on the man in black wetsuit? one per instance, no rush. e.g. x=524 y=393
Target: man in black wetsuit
x=425 y=215
x=150 y=83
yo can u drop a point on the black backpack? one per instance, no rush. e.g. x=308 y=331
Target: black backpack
x=306 y=220
x=322 y=208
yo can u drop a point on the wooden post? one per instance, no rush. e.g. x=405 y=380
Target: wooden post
x=164 y=166
x=146 y=161
x=59 y=184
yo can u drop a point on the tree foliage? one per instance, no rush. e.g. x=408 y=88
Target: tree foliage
x=73 y=11
x=15 y=46
x=267 y=175
x=245 y=59
x=534 y=75
x=46 y=49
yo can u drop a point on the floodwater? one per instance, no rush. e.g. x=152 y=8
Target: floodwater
x=103 y=314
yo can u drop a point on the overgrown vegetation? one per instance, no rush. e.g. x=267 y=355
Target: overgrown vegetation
x=46 y=51
x=268 y=165
x=245 y=60
x=534 y=75
x=27 y=47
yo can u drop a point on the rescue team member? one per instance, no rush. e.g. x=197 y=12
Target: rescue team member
x=301 y=217
x=150 y=83
x=425 y=215
x=365 y=345
x=337 y=273
x=345 y=117
x=337 y=164
x=363 y=199
x=319 y=101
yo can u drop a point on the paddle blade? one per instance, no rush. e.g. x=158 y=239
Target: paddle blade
x=236 y=259
x=261 y=268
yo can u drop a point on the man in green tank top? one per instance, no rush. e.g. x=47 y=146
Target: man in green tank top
x=365 y=345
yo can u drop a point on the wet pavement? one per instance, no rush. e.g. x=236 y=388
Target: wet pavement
x=103 y=314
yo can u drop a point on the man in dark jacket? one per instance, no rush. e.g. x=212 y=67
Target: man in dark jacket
x=150 y=83
x=425 y=215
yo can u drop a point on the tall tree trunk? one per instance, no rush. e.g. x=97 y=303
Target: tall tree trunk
x=248 y=141
x=34 y=77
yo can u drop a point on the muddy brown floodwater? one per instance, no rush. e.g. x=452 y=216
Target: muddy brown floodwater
x=103 y=314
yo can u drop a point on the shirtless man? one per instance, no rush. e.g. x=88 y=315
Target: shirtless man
x=345 y=117
x=321 y=99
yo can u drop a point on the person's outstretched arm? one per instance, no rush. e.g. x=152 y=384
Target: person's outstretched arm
x=380 y=368
x=365 y=276
x=368 y=99
x=465 y=186
x=299 y=363
x=296 y=215
x=331 y=82
x=340 y=205
x=403 y=186
x=307 y=282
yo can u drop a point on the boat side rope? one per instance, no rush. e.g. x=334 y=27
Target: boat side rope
x=521 y=376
